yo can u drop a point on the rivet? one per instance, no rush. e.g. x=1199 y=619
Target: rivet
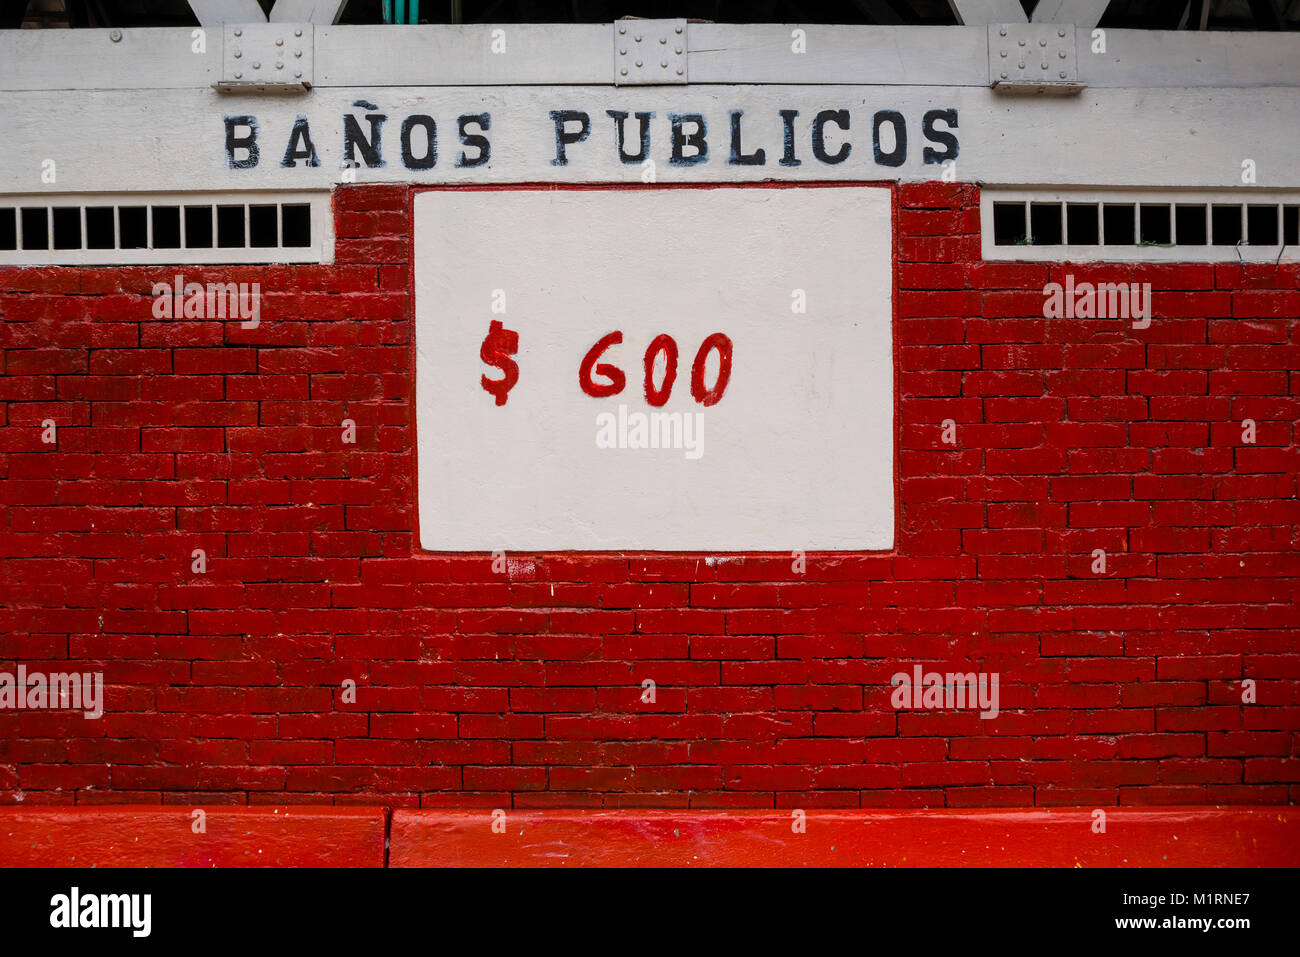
x=1060 y=33
x=116 y=36
x=638 y=62
x=638 y=39
x=238 y=54
x=279 y=66
x=239 y=76
x=297 y=33
x=298 y=74
x=1061 y=54
x=1042 y=43
x=297 y=53
x=664 y=64
x=1062 y=74
x=1043 y=65
x=679 y=50
x=622 y=51
x=1004 y=76
x=1002 y=32
x=663 y=39
x=679 y=69
x=257 y=65
x=1022 y=64
x=623 y=71
x=622 y=30
x=1004 y=52
x=279 y=43
x=1022 y=42
x=679 y=29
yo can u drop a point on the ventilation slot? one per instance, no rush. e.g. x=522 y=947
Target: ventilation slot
x=1140 y=225
x=150 y=228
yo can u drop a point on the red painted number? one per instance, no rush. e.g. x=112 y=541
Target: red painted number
x=665 y=345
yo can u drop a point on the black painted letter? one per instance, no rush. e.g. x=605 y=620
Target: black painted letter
x=644 y=120
x=430 y=157
x=756 y=158
x=300 y=145
x=248 y=142
x=942 y=137
x=841 y=119
x=563 y=137
x=353 y=139
x=680 y=140
x=899 y=155
x=480 y=143
x=787 y=122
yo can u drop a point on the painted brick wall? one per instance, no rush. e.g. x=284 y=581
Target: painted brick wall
x=773 y=688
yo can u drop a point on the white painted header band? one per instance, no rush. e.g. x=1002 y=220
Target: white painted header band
x=184 y=139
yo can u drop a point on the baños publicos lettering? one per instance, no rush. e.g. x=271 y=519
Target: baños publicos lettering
x=372 y=138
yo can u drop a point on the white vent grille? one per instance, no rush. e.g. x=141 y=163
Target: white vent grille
x=158 y=228
x=1140 y=225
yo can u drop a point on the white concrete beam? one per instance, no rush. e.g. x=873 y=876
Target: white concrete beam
x=307 y=11
x=1084 y=14
x=213 y=13
x=979 y=13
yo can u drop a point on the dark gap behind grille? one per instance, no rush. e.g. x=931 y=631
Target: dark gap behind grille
x=133 y=227
x=1189 y=223
x=1083 y=224
x=1226 y=224
x=295 y=224
x=1008 y=224
x=1120 y=225
x=166 y=227
x=8 y=229
x=262 y=226
x=1045 y=223
x=230 y=227
x=1156 y=226
x=1261 y=225
x=67 y=227
x=36 y=228
x=198 y=227
x=99 y=227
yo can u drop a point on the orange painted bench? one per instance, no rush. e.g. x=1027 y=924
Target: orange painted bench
x=133 y=836
x=1134 y=837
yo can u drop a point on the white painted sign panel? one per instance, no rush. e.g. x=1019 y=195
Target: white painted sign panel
x=763 y=315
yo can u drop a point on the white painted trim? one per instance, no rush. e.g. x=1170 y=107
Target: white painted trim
x=579 y=55
x=321 y=249
x=1068 y=253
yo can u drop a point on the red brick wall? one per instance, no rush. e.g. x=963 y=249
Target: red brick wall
x=773 y=688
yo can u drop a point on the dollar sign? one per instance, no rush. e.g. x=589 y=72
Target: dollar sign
x=498 y=346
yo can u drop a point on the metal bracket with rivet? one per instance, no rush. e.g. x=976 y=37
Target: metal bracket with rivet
x=1033 y=58
x=273 y=58
x=649 y=52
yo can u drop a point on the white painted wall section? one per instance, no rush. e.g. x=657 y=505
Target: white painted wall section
x=797 y=454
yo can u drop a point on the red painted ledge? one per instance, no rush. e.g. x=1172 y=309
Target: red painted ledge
x=165 y=837
x=1134 y=837
x=354 y=837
